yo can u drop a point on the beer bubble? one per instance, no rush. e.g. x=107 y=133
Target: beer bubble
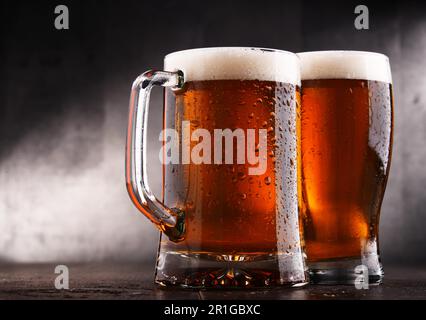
x=251 y=115
x=264 y=124
x=270 y=129
x=259 y=100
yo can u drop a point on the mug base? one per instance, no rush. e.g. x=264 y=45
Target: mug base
x=349 y=271
x=235 y=271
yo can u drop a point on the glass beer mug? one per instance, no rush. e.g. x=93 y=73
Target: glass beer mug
x=346 y=147
x=229 y=210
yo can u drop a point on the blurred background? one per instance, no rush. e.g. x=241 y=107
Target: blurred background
x=64 y=106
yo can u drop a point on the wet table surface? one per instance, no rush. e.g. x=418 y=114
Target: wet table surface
x=135 y=281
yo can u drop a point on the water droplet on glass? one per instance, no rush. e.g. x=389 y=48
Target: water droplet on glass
x=190 y=205
x=241 y=175
x=268 y=181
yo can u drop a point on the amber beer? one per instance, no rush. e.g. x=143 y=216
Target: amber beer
x=230 y=212
x=346 y=143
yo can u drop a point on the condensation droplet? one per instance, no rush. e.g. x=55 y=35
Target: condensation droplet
x=268 y=181
x=241 y=175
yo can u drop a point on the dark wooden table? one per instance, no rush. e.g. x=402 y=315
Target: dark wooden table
x=134 y=281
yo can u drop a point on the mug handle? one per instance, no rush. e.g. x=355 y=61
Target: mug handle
x=168 y=220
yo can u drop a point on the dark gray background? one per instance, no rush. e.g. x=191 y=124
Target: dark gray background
x=64 y=100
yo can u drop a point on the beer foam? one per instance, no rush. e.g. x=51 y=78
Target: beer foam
x=359 y=65
x=233 y=63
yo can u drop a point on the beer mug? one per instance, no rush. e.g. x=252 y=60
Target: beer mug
x=346 y=143
x=229 y=210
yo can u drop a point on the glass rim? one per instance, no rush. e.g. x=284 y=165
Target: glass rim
x=344 y=52
x=262 y=49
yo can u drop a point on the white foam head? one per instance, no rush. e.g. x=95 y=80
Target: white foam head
x=345 y=65
x=235 y=63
